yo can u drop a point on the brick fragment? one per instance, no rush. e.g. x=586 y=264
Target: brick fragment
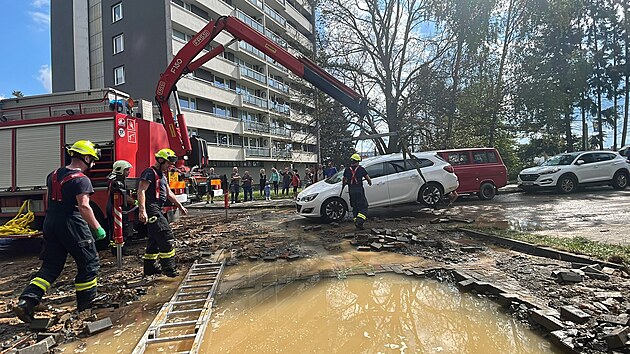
x=40 y=324
x=99 y=326
x=617 y=338
x=551 y=323
x=574 y=314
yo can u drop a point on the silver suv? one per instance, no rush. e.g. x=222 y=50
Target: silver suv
x=567 y=171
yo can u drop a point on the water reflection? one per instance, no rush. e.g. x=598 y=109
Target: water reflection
x=360 y=314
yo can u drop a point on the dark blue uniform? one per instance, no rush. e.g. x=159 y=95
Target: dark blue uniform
x=160 y=241
x=66 y=232
x=354 y=178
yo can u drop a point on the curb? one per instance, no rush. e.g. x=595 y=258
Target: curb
x=242 y=205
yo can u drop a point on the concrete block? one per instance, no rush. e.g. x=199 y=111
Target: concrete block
x=293 y=257
x=417 y=272
x=471 y=249
x=136 y=283
x=316 y=227
x=40 y=324
x=408 y=272
x=348 y=235
x=397 y=269
x=608 y=270
x=376 y=246
x=41 y=347
x=364 y=248
x=253 y=258
x=609 y=294
x=568 y=276
x=577 y=265
x=43 y=335
x=551 y=323
x=481 y=287
x=370 y=274
x=562 y=339
x=460 y=275
x=467 y=284
x=617 y=320
x=506 y=299
x=402 y=239
x=594 y=272
x=99 y=326
x=617 y=338
x=269 y=259
x=574 y=314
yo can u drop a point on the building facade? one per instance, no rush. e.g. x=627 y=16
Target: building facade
x=252 y=112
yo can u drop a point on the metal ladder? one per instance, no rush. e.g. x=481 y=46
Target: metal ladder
x=188 y=310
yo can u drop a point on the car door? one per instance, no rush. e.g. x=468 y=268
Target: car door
x=378 y=193
x=588 y=170
x=607 y=165
x=404 y=183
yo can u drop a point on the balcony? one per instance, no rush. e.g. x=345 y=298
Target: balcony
x=257 y=151
x=256 y=3
x=299 y=37
x=251 y=50
x=225 y=153
x=209 y=121
x=275 y=16
x=280 y=108
x=278 y=85
x=274 y=37
x=256 y=127
x=281 y=154
x=299 y=19
x=304 y=138
x=304 y=156
x=250 y=21
x=252 y=74
x=280 y=131
x=255 y=101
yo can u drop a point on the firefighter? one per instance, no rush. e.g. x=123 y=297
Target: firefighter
x=117 y=184
x=353 y=177
x=153 y=191
x=67 y=225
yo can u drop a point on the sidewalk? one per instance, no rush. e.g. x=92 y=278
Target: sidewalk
x=218 y=204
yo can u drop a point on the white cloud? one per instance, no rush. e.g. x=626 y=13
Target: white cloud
x=2 y=96
x=40 y=18
x=40 y=3
x=45 y=77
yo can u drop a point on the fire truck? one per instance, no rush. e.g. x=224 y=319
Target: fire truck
x=35 y=130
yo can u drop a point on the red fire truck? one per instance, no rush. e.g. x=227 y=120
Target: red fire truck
x=35 y=131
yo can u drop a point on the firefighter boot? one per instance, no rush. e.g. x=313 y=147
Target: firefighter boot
x=90 y=301
x=151 y=268
x=24 y=310
x=358 y=223
x=168 y=267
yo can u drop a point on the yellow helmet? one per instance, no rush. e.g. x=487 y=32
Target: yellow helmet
x=167 y=154
x=86 y=148
x=355 y=157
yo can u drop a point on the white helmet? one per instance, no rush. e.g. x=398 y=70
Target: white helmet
x=120 y=166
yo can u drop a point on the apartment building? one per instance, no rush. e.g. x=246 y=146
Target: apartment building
x=252 y=112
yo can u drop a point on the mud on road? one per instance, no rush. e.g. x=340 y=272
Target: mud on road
x=408 y=241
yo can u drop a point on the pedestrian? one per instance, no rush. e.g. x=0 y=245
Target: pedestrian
x=262 y=182
x=295 y=182
x=286 y=180
x=275 y=179
x=235 y=184
x=153 y=192
x=341 y=167
x=319 y=173
x=67 y=225
x=247 y=186
x=308 y=178
x=210 y=175
x=353 y=177
x=117 y=183
x=331 y=170
x=267 y=191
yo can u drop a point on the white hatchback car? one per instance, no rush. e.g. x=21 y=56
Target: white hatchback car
x=394 y=181
x=566 y=172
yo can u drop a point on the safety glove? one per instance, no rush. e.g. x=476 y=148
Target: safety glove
x=99 y=233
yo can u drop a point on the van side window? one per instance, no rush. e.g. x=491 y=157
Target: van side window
x=492 y=157
x=458 y=158
x=480 y=157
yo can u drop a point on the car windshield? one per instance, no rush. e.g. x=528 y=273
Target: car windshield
x=336 y=178
x=559 y=160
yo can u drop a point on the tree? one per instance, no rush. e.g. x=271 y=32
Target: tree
x=334 y=132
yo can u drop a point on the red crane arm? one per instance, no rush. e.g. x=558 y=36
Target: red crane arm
x=183 y=64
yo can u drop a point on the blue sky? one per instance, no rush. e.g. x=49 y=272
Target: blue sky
x=25 y=59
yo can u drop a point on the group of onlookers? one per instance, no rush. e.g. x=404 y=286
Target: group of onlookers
x=278 y=181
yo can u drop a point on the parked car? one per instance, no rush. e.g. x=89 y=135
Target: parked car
x=480 y=171
x=394 y=181
x=566 y=172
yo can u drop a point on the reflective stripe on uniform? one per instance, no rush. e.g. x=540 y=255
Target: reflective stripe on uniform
x=41 y=283
x=85 y=286
x=168 y=254
x=360 y=215
x=152 y=256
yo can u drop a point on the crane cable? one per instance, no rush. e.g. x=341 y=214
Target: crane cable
x=19 y=225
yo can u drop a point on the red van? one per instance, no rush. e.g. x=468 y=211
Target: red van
x=480 y=170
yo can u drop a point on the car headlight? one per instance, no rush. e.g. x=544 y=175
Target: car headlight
x=309 y=197
x=548 y=172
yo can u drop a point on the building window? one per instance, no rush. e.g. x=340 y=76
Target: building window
x=117 y=14
x=119 y=75
x=187 y=102
x=119 y=43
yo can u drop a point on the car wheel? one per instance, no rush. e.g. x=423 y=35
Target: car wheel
x=566 y=184
x=334 y=209
x=487 y=191
x=620 y=180
x=430 y=194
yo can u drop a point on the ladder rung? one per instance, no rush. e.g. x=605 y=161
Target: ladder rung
x=171 y=339
x=194 y=293
x=185 y=302
x=177 y=324
x=202 y=279
x=198 y=286
x=204 y=273
x=206 y=265
x=180 y=312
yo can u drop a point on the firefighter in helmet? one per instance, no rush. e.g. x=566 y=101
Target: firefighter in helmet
x=353 y=177
x=117 y=184
x=67 y=225
x=153 y=192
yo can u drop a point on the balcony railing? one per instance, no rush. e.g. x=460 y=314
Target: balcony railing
x=282 y=154
x=280 y=131
x=256 y=101
x=256 y=151
x=248 y=47
x=274 y=37
x=257 y=3
x=252 y=74
x=280 y=108
x=250 y=21
x=275 y=16
x=277 y=65
x=278 y=85
x=253 y=126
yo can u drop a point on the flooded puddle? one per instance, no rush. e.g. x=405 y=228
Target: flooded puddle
x=382 y=314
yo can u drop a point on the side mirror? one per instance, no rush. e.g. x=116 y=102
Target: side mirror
x=579 y=162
